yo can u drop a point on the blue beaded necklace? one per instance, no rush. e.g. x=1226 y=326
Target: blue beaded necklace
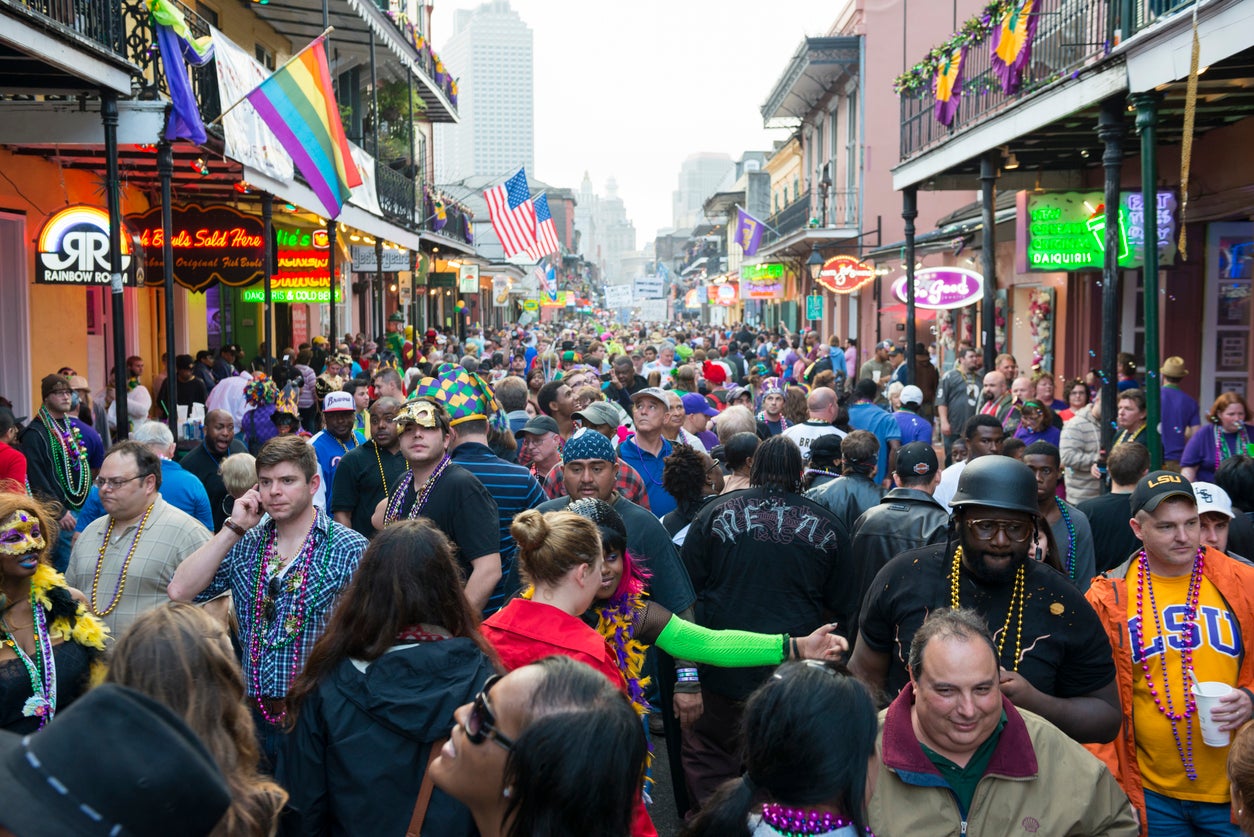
x=1066 y=518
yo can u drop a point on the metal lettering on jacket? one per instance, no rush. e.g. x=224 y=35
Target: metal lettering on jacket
x=768 y=519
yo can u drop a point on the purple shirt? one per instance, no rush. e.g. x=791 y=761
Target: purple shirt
x=1050 y=434
x=914 y=428
x=1179 y=412
x=1200 y=451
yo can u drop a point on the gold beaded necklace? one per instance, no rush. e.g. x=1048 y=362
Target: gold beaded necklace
x=1016 y=594
x=382 y=476
x=126 y=566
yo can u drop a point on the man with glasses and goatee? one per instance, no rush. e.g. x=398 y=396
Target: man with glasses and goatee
x=1054 y=656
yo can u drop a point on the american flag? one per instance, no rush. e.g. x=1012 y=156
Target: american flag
x=546 y=230
x=513 y=214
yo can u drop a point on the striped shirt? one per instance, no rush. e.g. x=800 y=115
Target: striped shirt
x=514 y=490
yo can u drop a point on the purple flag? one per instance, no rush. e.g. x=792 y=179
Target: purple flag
x=179 y=48
x=748 y=232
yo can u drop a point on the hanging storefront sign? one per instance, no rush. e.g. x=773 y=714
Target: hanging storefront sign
x=690 y=299
x=560 y=302
x=500 y=291
x=531 y=305
x=210 y=244
x=73 y=249
x=442 y=279
x=762 y=281
x=394 y=260
x=727 y=293
x=468 y=279
x=1059 y=231
x=814 y=307
x=844 y=274
x=303 y=264
x=940 y=288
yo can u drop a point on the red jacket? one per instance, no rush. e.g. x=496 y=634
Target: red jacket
x=1109 y=597
x=12 y=469
x=525 y=631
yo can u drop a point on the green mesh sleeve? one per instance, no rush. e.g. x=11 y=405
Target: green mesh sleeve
x=727 y=649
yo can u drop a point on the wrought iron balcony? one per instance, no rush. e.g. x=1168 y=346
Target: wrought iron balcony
x=803 y=213
x=396 y=194
x=141 y=50
x=1071 y=36
x=793 y=217
x=98 y=21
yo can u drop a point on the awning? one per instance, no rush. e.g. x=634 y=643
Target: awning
x=353 y=216
x=815 y=67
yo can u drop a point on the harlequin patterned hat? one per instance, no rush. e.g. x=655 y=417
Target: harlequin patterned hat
x=466 y=397
x=445 y=369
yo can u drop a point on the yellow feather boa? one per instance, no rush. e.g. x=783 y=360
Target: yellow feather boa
x=87 y=630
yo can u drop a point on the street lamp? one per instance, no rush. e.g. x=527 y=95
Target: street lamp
x=815 y=263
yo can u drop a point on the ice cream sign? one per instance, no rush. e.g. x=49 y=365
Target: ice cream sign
x=939 y=288
x=1062 y=231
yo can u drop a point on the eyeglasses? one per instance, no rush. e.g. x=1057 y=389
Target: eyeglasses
x=481 y=722
x=115 y=482
x=1016 y=531
x=60 y=391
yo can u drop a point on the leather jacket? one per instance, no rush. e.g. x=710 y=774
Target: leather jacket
x=905 y=519
x=847 y=497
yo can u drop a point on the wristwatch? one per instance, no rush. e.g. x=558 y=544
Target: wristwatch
x=235 y=527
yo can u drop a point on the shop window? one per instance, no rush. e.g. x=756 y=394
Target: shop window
x=265 y=57
x=208 y=13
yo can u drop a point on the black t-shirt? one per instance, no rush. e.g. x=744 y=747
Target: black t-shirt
x=770 y=562
x=204 y=466
x=358 y=487
x=1064 y=647
x=464 y=511
x=1113 y=540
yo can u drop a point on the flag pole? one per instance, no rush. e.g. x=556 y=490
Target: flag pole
x=301 y=52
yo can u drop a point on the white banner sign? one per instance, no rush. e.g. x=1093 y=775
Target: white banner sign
x=649 y=287
x=248 y=140
x=653 y=311
x=618 y=296
x=468 y=279
x=394 y=261
x=500 y=291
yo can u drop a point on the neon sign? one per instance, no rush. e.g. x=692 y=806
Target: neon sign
x=1061 y=231
x=209 y=244
x=940 y=288
x=844 y=274
x=73 y=249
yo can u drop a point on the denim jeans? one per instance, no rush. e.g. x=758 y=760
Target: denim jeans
x=1169 y=817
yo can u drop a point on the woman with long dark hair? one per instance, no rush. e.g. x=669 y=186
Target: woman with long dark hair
x=179 y=655
x=377 y=695
x=552 y=748
x=810 y=784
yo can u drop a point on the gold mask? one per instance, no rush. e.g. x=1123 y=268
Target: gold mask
x=20 y=534
x=421 y=413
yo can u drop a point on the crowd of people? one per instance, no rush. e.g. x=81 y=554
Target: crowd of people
x=443 y=586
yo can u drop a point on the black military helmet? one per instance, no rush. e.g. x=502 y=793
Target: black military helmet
x=996 y=482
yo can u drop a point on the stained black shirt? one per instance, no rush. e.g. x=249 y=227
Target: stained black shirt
x=464 y=511
x=1064 y=649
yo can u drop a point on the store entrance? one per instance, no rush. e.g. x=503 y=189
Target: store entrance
x=15 y=380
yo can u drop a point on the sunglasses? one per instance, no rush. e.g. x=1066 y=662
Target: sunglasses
x=481 y=722
x=1016 y=531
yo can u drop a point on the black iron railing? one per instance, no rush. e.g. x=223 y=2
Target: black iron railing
x=791 y=218
x=396 y=194
x=141 y=50
x=1071 y=35
x=99 y=21
x=806 y=212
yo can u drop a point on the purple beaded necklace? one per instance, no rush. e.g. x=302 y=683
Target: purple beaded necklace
x=796 y=822
x=1144 y=582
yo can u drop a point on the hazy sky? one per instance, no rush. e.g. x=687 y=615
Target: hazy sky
x=630 y=89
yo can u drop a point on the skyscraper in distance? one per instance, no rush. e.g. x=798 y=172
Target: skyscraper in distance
x=492 y=48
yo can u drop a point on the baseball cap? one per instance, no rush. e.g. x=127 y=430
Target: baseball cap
x=1157 y=486
x=885 y=344
x=338 y=402
x=912 y=395
x=916 y=459
x=695 y=404
x=598 y=412
x=827 y=448
x=180 y=362
x=1212 y=498
x=539 y=425
x=656 y=393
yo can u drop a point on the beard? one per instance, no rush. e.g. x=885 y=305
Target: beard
x=988 y=396
x=994 y=575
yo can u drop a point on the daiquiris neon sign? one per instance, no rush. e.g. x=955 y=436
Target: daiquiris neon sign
x=1060 y=231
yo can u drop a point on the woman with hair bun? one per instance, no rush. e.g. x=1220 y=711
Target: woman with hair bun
x=818 y=782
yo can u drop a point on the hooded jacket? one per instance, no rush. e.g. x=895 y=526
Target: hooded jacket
x=1038 y=781
x=1109 y=597
x=356 y=759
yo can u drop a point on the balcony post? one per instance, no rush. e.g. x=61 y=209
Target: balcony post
x=113 y=198
x=267 y=225
x=1147 y=126
x=332 y=235
x=910 y=211
x=1110 y=130
x=419 y=210
x=165 y=172
x=378 y=275
x=988 y=196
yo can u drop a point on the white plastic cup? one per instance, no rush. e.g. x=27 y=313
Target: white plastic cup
x=1208 y=695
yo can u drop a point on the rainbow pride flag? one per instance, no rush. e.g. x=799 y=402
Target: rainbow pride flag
x=298 y=104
